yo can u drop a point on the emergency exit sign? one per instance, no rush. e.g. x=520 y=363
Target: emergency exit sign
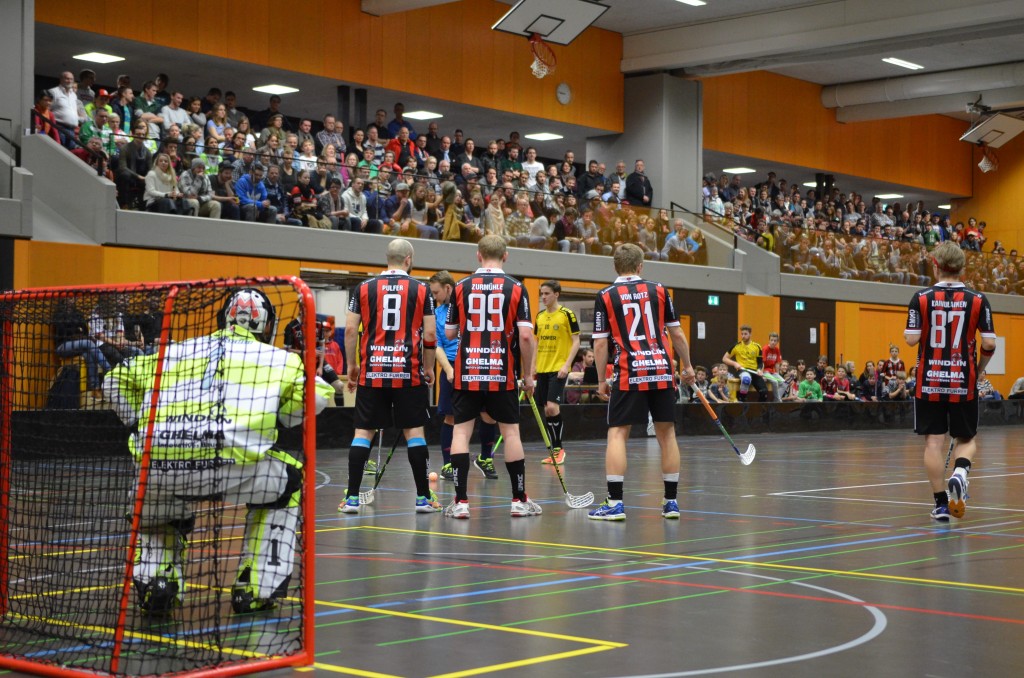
x=799 y=305
x=712 y=300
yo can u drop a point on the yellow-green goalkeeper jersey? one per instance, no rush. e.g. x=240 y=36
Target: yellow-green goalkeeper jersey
x=221 y=397
x=554 y=331
x=747 y=354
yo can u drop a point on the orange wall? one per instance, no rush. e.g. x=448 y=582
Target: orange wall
x=996 y=197
x=761 y=313
x=447 y=51
x=864 y=332
x=773 y=117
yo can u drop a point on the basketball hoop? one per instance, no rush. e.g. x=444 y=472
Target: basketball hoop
x=544 y=61
x=989 y=161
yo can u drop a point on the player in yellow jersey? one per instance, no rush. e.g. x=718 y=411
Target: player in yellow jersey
x=745 y=356
x=558 y=341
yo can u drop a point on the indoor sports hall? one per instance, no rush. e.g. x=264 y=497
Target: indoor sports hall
x=785 y=166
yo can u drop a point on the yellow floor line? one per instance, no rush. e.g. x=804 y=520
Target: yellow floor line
x=318 y=666
x=706 y=559
x=524 y=662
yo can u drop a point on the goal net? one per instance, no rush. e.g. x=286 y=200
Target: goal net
x=150 y=521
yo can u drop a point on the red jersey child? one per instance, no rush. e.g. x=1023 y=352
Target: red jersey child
x=887 y=369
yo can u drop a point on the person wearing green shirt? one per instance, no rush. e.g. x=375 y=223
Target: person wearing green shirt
x=96 y=126
x=212 y=437
x=810 y=389
x=930 y=237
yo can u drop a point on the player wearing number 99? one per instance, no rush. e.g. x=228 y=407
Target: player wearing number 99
x=628 y=319
x=214 y=434
x=397 y=314
x=489 y=312
x=943 y=322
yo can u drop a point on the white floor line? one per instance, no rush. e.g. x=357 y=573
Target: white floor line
x=905 y=503
x=906 y=482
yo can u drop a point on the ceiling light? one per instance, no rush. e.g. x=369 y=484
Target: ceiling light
x=888 y=196
x=738 y=170
x=98 y=57
x=903 y=64
x=544 y=136
x=944 y=207
x=811 y=184
x=274 y=89
x=422 y=115
x=695 y=3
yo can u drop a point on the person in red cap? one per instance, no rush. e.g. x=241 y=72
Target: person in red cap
x=102 y=100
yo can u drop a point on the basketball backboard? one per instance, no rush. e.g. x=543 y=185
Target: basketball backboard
x=557 y=21
x=995 y=131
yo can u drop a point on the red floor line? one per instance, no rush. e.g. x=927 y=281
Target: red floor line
x=667 y=582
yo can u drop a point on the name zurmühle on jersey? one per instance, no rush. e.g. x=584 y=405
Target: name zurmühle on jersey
x=554 y=338
x=632 y=313
x=948 y=317
x=487 y=308
x=391 y=307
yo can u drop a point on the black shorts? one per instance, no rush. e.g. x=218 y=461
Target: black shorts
x=378 y=408
x=549 y=388
x=632 y=407
x=501 y=406
x=960 y=419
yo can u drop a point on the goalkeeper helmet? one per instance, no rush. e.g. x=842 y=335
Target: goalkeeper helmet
x=250 y=308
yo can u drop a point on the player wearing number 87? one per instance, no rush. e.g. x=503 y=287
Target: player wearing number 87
x=490 y=313
x=943 y=321
x=629 y=318
x=397 y=348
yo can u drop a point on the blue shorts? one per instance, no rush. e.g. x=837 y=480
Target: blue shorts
x=444 y=396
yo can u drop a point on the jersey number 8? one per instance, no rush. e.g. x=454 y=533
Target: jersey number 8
x=483 y=312
x=391 y=319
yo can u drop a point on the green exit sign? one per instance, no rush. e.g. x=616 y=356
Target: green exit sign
x=799 y=305
x=712 y=300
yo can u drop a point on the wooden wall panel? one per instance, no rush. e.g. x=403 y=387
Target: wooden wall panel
x=773 y=117
x=447 y=51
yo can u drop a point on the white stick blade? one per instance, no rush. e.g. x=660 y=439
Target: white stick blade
x=366 y=498
x=581 y=501
x=748 y=455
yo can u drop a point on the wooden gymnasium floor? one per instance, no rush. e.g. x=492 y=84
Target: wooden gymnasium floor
x=819 y=559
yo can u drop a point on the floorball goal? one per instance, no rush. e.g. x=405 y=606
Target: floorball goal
x=150 y=522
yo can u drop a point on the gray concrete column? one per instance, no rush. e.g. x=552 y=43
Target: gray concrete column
x=17 y=53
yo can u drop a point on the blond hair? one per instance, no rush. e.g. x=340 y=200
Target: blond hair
x=949 y=258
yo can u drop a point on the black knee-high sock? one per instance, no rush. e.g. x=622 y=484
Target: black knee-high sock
x=418 y=461
x=447 y=431
x=941 y=499
x=517 y=475
x=555 y=430
x=357 y=456
x=488 y=434
x=460 y=465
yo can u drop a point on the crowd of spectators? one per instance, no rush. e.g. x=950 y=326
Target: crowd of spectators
x=840 y=235
x=203 y=156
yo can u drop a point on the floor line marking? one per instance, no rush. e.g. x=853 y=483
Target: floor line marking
x=893 y=501
x=334 y=668
x=906 y=482
x=610 y=644
x=524 y=662
x=726 y=561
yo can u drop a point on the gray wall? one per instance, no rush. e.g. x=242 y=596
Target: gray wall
x=663 y=126
x=17 y=53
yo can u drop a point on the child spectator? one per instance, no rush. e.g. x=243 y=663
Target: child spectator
x=719 y=391
x=810 y=389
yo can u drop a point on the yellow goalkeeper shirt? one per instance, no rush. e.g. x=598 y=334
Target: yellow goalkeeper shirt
x=554 y=331
x=746 y=355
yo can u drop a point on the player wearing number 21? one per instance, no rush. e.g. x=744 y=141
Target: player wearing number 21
x=629 y=317
x=490 y=313
x=397 y=347
x=943 y=321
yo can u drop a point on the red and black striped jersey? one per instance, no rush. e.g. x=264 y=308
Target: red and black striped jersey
x=948 y=316
x=633 y=313
x=487 y=308
x=391 y=307
x=888 y=368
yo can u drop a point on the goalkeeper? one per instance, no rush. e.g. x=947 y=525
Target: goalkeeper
x=221 y=397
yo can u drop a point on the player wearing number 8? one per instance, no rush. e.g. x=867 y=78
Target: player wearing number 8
x=397 y=348
x=943 y=321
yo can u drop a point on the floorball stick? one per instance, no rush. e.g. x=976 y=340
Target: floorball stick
x=746 y=456
x=367 y=497
x=572 y=500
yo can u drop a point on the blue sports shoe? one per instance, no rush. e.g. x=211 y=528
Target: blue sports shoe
x=350 y=505
x=607 y=511
x=941 y=514
x=670 y=509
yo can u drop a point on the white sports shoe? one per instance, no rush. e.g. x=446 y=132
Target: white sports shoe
x=457 y=509
x=521 y=509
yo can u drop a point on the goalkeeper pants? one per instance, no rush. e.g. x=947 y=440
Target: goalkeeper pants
x=271 y=490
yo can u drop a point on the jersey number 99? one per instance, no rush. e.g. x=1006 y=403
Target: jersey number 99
x=483 y=312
